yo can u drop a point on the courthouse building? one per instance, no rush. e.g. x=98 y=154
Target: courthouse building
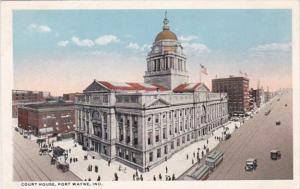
x=144 y=124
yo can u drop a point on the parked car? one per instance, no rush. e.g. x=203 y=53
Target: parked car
x=275 y=154
x=267 y=112
x=227 y=136
x=278 y=122
x=251 y=164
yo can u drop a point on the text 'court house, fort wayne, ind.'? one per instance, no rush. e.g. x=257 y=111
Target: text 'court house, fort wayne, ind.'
x=144 y=124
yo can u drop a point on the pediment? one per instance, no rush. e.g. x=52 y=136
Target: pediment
x=96 y=86
x=156 y=103
x=202 y=88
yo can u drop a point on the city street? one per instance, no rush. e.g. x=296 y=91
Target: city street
x=255 y=139
x=126 y=173
x=30 y=166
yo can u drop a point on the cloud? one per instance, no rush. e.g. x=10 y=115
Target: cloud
x=106 y=39
x=136 y=46
x=195 y=48
x=187 y=38
x=63 y=43
x=40 y=28
x=133 y=46
x=273 y=47
x=83 y=42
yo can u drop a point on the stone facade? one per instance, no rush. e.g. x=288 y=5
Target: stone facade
x=143 y=124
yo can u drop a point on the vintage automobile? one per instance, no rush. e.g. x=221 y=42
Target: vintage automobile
x=43 y=150
x=227 y=136
x=63 y=166
x=251 y=164
x=267 y=112
x=275 y=154
x=278 y=122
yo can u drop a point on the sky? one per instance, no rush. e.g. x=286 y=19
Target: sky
x=63 y=51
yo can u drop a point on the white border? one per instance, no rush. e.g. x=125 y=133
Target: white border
x=7 y=82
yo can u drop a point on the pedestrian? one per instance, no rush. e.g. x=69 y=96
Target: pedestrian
x=116 y=177
x=70 y=160
x=141 y=177
x=99 y=178
x=136 y=173
x=108 y=163
x=166 y=169
x=133 y=176
x=89 y=179
x=154 y=178
x=173 y=176
x=207 y=141
x=187 y=156
x=159 y=176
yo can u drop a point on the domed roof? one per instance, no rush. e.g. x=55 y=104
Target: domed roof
x=165 y=34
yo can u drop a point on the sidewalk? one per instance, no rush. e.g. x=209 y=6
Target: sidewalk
x=177 y=164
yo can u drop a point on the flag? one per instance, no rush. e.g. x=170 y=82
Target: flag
x=241 y=72
x=203 y=69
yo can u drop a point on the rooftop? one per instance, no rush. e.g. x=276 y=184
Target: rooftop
x=49 y=105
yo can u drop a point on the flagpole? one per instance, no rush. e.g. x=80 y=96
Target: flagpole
x=200 y=72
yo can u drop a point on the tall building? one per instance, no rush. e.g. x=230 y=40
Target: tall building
x=237 y=89
x=143 y=124
x=23 y=97
x=166 y=62
x=47 y=118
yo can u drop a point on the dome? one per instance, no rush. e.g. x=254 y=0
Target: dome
x=166 y=34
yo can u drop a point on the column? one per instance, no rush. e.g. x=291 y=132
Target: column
x=161 y=126
x=130 y=129
x=184 y=120
x=168 y=127
x=153 y=130
x=124 y=128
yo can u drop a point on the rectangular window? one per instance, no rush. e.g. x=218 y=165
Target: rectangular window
x=166 y=149
x=172 y=145
x=178 y=142
x=183 y=139
x=164 y=133
x=150 y=156
x=149 y=137
x=133 y=157
x=157 y=136
x=158 y=153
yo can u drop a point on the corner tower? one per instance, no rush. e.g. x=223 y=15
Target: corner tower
x=166 y=63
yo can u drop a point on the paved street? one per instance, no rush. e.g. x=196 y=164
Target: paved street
x=30 y=166
x=256 y=139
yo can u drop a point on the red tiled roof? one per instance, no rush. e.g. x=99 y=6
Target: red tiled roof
x=187 y=87
x=131 y=86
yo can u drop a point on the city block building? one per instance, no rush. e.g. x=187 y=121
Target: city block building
x=144 y=124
